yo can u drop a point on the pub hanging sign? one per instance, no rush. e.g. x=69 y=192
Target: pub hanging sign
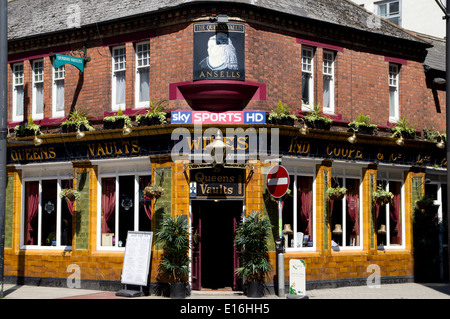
x=217 y=183
x=219 y=51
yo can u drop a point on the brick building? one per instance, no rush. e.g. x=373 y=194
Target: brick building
x=303 y=54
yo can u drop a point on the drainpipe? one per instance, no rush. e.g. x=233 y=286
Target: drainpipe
x=3 y=130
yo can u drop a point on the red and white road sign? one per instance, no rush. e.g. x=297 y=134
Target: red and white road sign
x=277 y=181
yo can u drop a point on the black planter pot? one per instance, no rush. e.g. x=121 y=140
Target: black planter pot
x=318 y=124
x=281 y=121
x=178 y=290
x=109 y=125
x=255 y=289
x=25 y=133
x=72 y=128
x=146 y=121
x=366 y=130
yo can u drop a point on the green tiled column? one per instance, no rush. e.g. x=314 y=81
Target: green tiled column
x=82 y=212
x=9 y=212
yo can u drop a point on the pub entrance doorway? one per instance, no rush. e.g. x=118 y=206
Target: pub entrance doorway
x=214 y=256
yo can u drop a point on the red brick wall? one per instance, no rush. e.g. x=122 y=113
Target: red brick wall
x=273 y=58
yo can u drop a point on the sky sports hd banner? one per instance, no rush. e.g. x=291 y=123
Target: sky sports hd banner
x=230 y=117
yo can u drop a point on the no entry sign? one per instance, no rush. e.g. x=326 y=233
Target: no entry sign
x=277 y=181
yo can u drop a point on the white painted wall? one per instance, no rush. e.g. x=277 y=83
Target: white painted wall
x=423 y=16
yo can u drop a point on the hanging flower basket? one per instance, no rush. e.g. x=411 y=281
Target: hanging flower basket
x=153 y=191
x=382 y=197
x=336 y=192
x=69 y=194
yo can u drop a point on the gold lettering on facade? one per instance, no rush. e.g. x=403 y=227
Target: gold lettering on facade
x=32 y=154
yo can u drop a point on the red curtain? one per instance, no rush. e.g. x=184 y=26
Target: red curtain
x=33 y=203
x=144 y=181
x=395 y=214
x=352 y=207
x=108 y=202
x=305 y=195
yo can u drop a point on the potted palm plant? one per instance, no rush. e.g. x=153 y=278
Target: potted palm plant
x=174 y=265
x=362 y=125
x=77 y=120
x=27 y=129
x=155 y=115
x=281 y=115
x=402 y=129
x=314 y=118
x=117 y=121
x=251 y=240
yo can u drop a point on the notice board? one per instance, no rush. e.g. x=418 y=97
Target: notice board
x=136 y=262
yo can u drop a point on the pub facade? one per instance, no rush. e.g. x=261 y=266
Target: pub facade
x=222 y=68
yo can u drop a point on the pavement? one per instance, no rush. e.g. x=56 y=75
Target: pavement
x=384 y=291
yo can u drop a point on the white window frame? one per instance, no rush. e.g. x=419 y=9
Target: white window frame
x=117 y=66
x=394 y=114
x=308 y=71
x=306 y=170
x=387 y=245
x=38 y=78
x=37 y=173
x=390 y=16
x=115 y=168
x=18 y=81
x=328 y=73
x=59 y=74
x=141 y=62
x=344 y=245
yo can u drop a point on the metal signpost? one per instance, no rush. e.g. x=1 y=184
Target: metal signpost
x=277 y=185
x=3 y=130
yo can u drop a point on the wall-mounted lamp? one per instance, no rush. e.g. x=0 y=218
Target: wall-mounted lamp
x=218 y=149
x=304 y=130
x=400 y=141
x=126 y=130
x=352 y=139
x=221 y=18
x=37 y=141
x=79 y=134
x=440 y=143
x=439 y=81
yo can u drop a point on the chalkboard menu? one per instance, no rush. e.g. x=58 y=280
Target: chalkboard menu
x=136 y=261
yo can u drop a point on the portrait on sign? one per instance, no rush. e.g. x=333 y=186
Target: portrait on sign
x=219 y=51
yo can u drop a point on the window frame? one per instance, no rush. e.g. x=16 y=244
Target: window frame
x=141 y=104
x=111 y=168
x=55 y=71
x=344 y=175
x=389 y=16
x=40 y=179
x=310 y=76
x=20 y=78
x=393 y=81
x=331 y=108
x=41 y=76
x=114 y=105
x=295 y=173
x=389 y=246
